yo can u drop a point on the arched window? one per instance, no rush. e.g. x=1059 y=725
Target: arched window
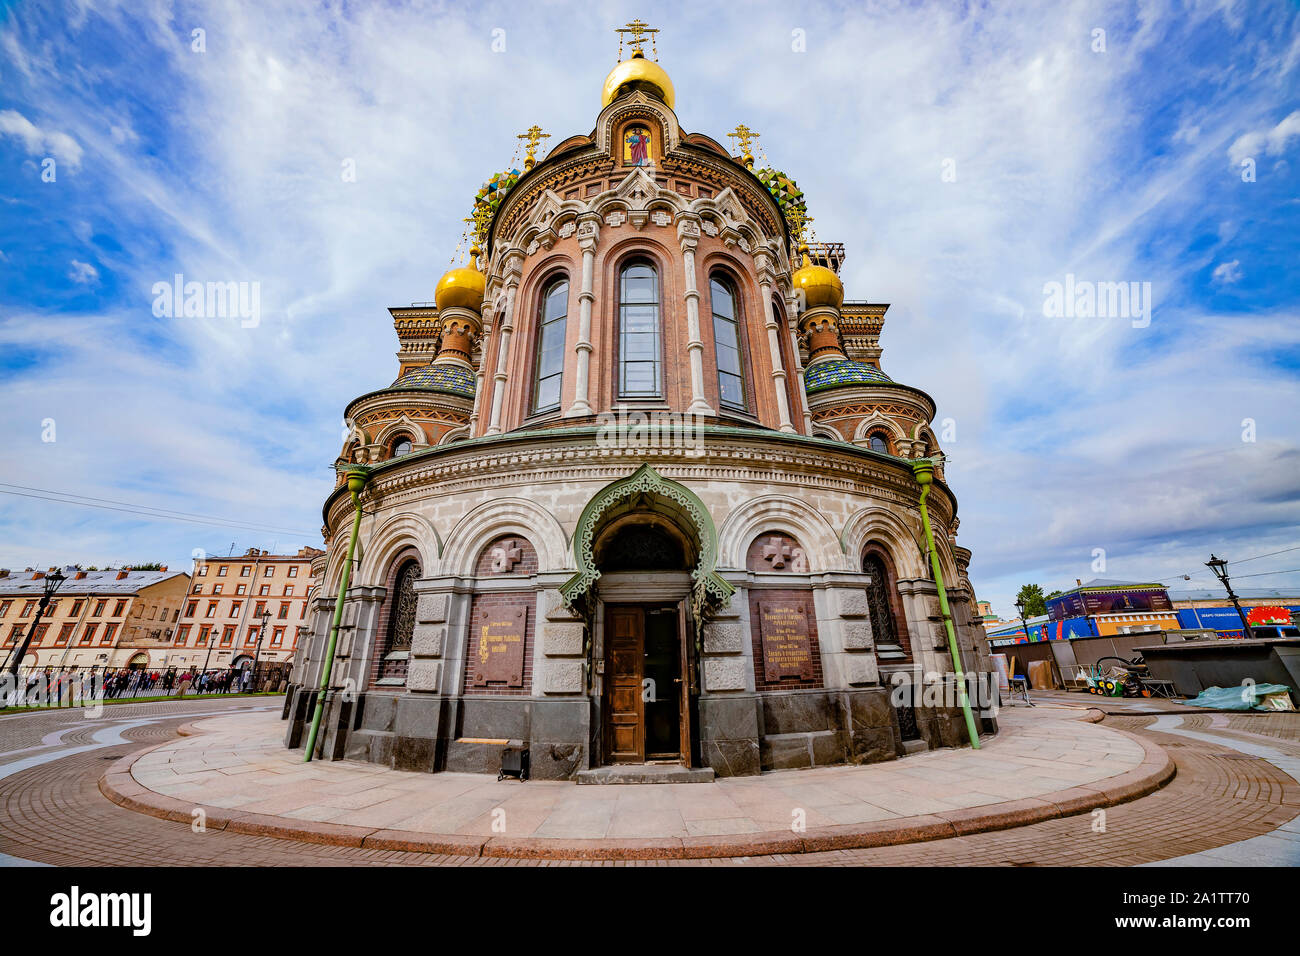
x=882 y=601
x=639 y=351
x=401 y=625
x=878 y=442
x=549 y=365
x=726 y=340
x=401 y=446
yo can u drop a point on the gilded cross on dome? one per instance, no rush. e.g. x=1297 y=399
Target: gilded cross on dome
x=639 y=31
x=744 y=136
x=533 y=136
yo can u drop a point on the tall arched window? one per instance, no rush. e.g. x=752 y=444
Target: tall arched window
x=882 y=602
x=878 y=442
x=401 y=625
x=639 y=334
x=726 y=340
x=401 y=445
x=549 y=366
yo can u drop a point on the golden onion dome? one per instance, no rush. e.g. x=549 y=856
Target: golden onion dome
x=819 y=285
x=635 y=72
x=462 y=287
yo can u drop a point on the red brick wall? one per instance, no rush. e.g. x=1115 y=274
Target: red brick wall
x=525 y=565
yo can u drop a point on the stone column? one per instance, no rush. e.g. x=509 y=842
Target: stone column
x=764 y=267
x=798 y=371
x=588 y=236
x=513 y=269
x=688 y=234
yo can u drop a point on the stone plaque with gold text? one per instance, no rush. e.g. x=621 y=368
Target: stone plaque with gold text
x=783 y=630
x=499 y=635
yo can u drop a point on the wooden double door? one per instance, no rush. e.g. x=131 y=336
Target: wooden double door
x=647 y=687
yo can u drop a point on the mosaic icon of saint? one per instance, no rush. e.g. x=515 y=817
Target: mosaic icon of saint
x=636 y=150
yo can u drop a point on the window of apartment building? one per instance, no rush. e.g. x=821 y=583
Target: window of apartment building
x=241 y=589
x=288 y=590
x=264 y=589
x=76 y=607
x=259 y=609
x=198 y=589
x=277 y=637
x=235 y=607
x=293 y=570
x=119 y=608
x=221 y=571
x=27 y=609
x=191 y=608
x=212 y=609
x=203 y=635
x=270 y=570
x=284 y=610
x=203 y=570
x=4 y=607
x=182 y=635
x=216 y=589
x=244 y=571
x=109 y=631
x=251 y=638
x=227 y=636
x=99 y=608
x=14 y=632
x=65 y=634
x=88 y=635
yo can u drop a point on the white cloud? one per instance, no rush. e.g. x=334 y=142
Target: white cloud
x=83 y=273
x=1273 y=142
x=1227 y=273
x=40 y=142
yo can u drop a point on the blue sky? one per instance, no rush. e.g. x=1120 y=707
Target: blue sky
x=1071 y=434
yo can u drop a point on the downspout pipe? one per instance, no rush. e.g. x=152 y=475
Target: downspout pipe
x=923 y=469
x=356 y=481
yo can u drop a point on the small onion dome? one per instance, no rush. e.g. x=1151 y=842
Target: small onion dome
x=462 y=287
x=636 y=72
x=820 y=286
x=833 y=374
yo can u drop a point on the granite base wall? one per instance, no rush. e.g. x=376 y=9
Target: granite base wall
x=739 y=734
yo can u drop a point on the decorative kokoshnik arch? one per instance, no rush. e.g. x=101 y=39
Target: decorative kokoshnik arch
x=668 y=498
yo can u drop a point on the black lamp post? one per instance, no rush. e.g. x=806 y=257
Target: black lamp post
x=52 y=584
x=1024 y=622
x=1220 y=569
x=261 y=633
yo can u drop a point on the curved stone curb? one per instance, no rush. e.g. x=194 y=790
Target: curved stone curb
x=1156 y=770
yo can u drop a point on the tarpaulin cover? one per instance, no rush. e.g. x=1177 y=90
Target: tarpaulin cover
x=1245 y=697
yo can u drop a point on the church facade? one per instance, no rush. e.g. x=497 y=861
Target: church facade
x=641 y=491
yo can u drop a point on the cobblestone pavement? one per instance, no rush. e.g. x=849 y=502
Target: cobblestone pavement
x=52 y=811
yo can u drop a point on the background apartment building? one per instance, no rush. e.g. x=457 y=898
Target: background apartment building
x=101 y=619
x=222 y=618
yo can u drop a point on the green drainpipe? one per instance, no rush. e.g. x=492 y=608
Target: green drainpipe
x=356 y=481
x=923 y=468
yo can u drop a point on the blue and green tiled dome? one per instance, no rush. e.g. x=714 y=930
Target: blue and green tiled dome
x=452 y=379
x=840 y=372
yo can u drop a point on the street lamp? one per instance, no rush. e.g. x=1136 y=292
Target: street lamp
x=1220 y=569
x=1020 y=606
x=261 y=633
x=52 y=584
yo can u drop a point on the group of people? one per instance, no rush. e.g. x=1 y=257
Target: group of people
x=128 y=682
